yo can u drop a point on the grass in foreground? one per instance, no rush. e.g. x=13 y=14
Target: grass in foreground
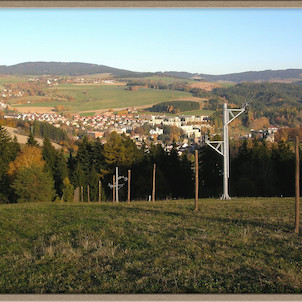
x=237 y=246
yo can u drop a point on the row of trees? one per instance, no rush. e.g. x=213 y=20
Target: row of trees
x=257 y=168
x=175 y=106
x=33 y=173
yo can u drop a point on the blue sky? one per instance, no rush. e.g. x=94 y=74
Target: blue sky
x=212 y=41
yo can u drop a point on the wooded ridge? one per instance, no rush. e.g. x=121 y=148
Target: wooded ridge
x=77 y=68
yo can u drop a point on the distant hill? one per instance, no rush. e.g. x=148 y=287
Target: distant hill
x=61 y=68
x=76 y=69
x=291 y=75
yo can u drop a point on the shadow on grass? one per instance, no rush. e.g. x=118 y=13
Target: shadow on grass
x=157 y=212
x=287 y=228
x=253 y=223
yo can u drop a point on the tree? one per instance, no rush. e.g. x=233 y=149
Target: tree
x=49 y=154
x=28 y=156
x=115 y=151
x=60 y=172
x=31 y=184
x=210 y=175
x=93 y=182
x=8 y=152
x=68 y=190
x=31 y=141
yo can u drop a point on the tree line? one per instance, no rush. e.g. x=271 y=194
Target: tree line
x=31 y=173
x=175 y=106
x=257 y=168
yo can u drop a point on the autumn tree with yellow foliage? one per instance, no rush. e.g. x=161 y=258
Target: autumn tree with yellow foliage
x=29 y=180
x=27 y=157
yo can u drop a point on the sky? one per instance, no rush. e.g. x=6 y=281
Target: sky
x=210 y=41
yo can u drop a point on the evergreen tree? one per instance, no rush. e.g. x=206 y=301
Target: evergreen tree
x=31 y=141
x=60 y=172
x=84 y=155
x=210 y=172
x=93 y=182
x=49 y=154
x=284 y=164
x=8 y=152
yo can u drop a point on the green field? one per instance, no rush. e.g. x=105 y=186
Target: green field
x=87 y=114
x=94 y=97
x=35 y=101
x=235 y=246
x=5 y=79
x=226 y=85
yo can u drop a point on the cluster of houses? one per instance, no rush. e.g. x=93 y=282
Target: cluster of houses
x=191 y=125
x=6 y=93
x=98 y=124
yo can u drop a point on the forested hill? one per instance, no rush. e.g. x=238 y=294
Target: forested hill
x=76 y=69
x=248 y=76
x=61 y=68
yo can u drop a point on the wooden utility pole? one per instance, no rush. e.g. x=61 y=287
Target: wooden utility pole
x=297 y=199
x=88 y=196
x=113 y=189
x=82 y=195
x=99 y=191
x=196 y=180
x=153 y=187
x=129 y=179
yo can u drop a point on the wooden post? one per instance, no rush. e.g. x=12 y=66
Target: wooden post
x=129 y=179
x=196 y=180
x=113 y=189
x=99 y=191
x=88 y=196
x=76 y=195
x=82 y=195
x=153 y=187
x=297 y=199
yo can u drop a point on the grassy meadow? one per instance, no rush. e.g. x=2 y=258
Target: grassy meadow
x=6 y=79
x=96 y=97
x=244 y=245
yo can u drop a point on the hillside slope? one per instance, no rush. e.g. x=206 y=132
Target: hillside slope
x=22 y=139
x=77 y=68
x=245 y=245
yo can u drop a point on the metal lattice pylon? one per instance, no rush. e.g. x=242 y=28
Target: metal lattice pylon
x=222 y=147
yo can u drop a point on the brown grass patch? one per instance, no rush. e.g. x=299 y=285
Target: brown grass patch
x=35 y=109
x=208 y=86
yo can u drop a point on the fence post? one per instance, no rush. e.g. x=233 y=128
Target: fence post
x=99 y=191
x=196 y=180
x=113 y=189
x=88 y=196
x=76 y=195
x=297 y=199
x=82 y=194
x=153 y=187
x=129 y=179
